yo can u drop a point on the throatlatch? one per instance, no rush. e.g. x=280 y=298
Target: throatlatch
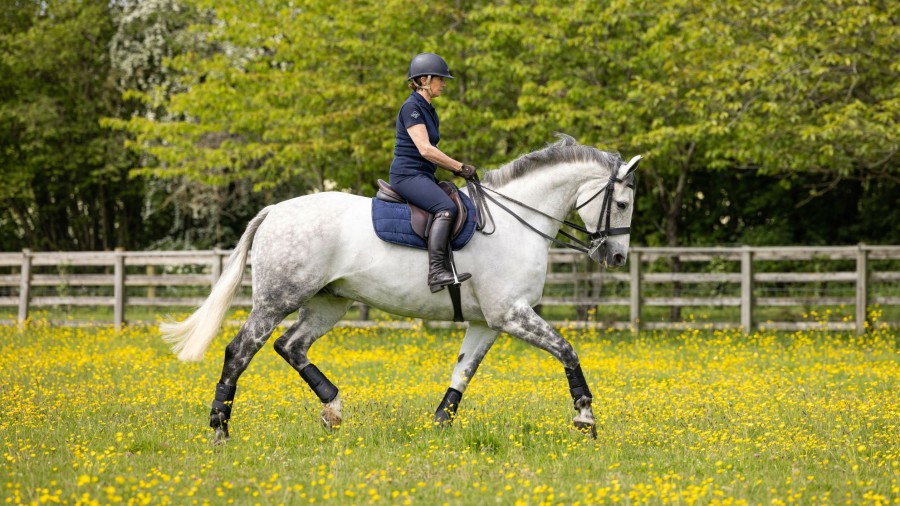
x=221 y=406
x=324 y=389
x=577 y=384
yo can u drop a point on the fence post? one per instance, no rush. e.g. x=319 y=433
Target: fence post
x=119 y=288
x=216 y=267
x=24 y=287
x=747 y=289
x=862 y=288
x=635 y=286
x=151 y=289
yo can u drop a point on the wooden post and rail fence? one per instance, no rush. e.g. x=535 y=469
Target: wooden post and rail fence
x=747 y=287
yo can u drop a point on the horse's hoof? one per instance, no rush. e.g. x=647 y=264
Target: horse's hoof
x=585 y=423
x=331 y=419
x=220 y=438
x=587 y=428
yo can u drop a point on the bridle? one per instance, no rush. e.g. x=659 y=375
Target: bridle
x=603 y=229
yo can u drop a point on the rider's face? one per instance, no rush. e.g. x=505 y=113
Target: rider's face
x=437 y=85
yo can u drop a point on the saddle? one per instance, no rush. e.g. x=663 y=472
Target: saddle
x=421 y=219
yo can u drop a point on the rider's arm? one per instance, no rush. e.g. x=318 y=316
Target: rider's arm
x=419 y=135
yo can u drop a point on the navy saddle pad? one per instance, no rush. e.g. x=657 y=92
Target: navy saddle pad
x=391 y=222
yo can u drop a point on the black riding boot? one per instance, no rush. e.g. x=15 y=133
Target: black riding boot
x=439 y=270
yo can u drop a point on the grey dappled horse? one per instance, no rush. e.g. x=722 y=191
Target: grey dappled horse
x=318 y=253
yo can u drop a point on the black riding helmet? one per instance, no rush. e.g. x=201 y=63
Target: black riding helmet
x=428 y=64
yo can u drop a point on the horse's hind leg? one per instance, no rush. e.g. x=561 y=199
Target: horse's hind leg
x=252 y=336
x=479 y=339
x=522 y=322
x=316 y=317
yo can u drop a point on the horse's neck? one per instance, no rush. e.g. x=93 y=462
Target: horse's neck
x=552 y=190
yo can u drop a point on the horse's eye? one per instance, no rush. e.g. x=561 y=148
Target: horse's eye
x=621 y=205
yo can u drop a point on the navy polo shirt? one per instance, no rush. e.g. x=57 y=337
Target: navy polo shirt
x=407 y=160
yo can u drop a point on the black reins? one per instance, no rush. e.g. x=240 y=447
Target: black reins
x=478 y=195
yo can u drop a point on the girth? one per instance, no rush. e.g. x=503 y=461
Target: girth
x=420 y=219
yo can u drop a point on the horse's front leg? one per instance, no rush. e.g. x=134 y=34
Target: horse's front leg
x=479 y=339
x=521 y=321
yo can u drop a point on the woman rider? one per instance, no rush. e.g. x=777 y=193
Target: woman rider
x=416 y=158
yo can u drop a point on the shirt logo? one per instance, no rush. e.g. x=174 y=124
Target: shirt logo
x=415 y=114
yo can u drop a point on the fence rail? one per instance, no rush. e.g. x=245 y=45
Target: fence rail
x=755 y=282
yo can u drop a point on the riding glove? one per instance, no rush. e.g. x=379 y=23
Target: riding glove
x=467 y=171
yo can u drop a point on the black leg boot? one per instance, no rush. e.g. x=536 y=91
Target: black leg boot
x=439 y=275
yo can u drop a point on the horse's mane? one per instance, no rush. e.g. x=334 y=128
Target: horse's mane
x=565 y=150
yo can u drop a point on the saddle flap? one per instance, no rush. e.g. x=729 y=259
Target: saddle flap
x=420 y=220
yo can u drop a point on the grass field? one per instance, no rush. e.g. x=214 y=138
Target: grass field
x=98 y=416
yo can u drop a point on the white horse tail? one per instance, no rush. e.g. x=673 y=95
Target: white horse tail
x=191 y=338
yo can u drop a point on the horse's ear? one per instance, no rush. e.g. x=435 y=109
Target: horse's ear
x=632 y=165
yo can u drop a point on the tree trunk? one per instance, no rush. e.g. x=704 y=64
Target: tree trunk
x=672 y=204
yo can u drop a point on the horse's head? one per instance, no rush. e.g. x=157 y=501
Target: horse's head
x=606 y=213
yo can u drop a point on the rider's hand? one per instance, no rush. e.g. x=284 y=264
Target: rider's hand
x=467 y=171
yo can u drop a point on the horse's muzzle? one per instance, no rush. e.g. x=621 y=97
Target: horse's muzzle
x=607 y=253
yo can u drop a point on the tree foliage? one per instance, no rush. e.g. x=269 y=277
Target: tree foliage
x=64 y=176
x=293 y=96
x=760 y=121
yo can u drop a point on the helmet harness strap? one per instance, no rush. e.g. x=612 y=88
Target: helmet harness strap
x=424 y=87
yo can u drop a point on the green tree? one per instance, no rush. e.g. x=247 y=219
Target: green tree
x=177 y=212
x=805 y=91
x=798 y=90
x=294 y=99
x=65 y=177
x=718 y=95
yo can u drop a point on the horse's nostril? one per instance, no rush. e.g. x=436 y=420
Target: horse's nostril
x=619 y=258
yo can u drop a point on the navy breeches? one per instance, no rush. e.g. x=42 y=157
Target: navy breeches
x=422 y=191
